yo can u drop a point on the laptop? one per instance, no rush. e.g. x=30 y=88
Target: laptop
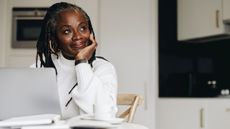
x=27 y=92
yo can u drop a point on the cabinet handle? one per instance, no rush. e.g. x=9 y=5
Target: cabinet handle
x=202 y=118
x=217 y=18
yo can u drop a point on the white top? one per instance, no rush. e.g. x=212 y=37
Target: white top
x=96 y=89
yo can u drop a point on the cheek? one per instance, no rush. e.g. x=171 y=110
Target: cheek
x=87 y=36
x=63 y=41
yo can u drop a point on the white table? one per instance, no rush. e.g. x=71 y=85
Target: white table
x=131 y=126
x=93 y=124
x=123 y=126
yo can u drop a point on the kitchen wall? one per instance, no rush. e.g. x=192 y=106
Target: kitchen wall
x=2 y=32
x=126 y=31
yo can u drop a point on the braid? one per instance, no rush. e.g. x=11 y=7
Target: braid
x=46 y=44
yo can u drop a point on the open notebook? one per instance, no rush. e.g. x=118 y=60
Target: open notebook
x=28 y=92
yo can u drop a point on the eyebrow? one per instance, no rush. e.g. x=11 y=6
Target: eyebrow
x=84 y=23
x=69 y=26
x=64 y=26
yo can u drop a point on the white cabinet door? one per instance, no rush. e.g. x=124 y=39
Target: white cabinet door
x=181 y=114
x=218 y=114
x=226 y=9
x=199 y=18
x=193 y=114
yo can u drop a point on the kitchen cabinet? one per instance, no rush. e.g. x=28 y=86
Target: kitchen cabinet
x=179 y=114
x=193 y=113
x=226 y=10
x=199 y=18
x=217 y=114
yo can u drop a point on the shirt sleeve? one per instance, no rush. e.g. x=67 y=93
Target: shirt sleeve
x=97 y=88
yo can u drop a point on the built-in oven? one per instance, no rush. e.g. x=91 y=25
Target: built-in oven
x=26 y=26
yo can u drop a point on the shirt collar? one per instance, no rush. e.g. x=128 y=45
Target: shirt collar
x=65 y=61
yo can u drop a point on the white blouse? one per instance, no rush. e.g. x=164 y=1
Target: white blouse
x=84 y=89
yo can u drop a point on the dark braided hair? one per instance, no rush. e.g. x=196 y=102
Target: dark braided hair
x=46 y=44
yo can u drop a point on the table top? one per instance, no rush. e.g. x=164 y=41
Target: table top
x=78 y=123
x=122 y=126
x=132 y=126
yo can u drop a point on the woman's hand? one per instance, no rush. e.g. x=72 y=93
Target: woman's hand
x=87 y=52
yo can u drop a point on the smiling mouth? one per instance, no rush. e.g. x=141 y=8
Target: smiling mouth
x=78 y=46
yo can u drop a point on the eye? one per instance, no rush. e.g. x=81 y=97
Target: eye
x=83 y=28
x=67 y=31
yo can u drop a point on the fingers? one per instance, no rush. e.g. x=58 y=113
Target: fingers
x=93 y=40
x=88 y=51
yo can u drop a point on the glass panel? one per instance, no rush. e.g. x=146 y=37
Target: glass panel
x=28 y=29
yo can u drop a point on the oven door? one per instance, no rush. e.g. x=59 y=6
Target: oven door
x=26 y=31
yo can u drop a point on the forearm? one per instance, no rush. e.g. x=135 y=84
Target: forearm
x=98 y=87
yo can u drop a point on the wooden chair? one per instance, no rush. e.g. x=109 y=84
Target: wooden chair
x=130 y=100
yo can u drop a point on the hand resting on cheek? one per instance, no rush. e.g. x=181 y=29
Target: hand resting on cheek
x=88 y=51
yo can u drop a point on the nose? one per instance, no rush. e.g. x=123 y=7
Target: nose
x=76 y=35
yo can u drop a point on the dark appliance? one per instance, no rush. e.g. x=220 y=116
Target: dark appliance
x=26 y=26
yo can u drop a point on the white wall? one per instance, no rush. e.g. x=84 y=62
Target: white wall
x=2 y=32
x=126 y=31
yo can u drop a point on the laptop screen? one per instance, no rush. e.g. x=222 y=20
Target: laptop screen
x=28 y=91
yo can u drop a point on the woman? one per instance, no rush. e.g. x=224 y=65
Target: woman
x=87 y=84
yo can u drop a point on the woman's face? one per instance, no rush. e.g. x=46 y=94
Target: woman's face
x=72 y=33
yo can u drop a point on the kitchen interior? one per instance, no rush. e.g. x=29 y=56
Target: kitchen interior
x=193 y=90
x=116 y=34
x=194 y=48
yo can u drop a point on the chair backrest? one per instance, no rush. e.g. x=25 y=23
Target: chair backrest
x=131 y=101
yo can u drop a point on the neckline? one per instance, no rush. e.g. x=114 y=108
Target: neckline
x=64 y=61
